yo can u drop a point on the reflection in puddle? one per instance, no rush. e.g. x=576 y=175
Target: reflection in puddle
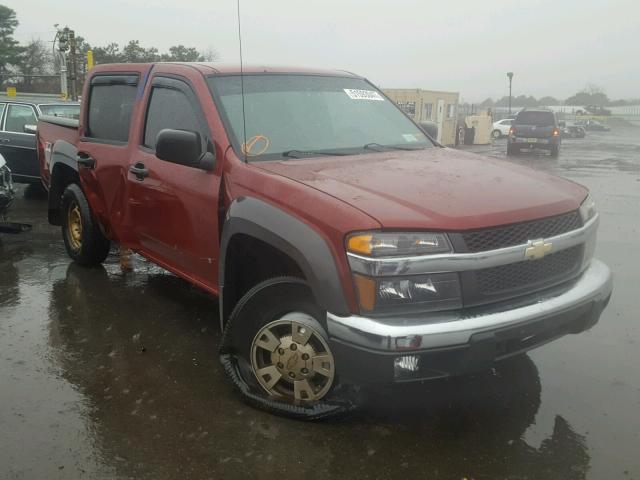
x=142 y=349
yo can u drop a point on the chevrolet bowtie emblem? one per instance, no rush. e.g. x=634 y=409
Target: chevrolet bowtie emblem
x=537 y=249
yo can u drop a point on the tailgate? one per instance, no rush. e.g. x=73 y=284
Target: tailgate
x=533 y=131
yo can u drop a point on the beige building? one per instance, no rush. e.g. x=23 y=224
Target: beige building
x=427 y=105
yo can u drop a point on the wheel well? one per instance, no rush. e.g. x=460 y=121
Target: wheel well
x=249 y=261
x=61 y=176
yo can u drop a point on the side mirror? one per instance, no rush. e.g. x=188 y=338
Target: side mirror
x=207 y=161
x=29 y=128
x=179 y=146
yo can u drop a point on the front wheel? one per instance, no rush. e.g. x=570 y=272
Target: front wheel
x=276 y=352
x=83 y=240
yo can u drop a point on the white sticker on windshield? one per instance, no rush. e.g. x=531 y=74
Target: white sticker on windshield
x=355 y=94
x=409 y=137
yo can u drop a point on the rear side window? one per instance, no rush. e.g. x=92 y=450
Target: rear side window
x=182 y=115
x=2 y=105
x=110 y=107
x=18 y=116
x=539 y=119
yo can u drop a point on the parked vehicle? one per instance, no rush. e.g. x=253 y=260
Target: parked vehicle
x=501 y=127
x=571 y=130
x=7 y=192
x=596 y=126
x=18 y=119
x=534 y=128
x=345 y=246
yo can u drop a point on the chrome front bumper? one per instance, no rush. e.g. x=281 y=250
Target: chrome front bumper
x=449 y=329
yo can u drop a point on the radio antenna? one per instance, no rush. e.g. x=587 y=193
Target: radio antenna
x=244 y=121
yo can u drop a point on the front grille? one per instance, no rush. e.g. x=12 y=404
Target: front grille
x=528 y=274
x=520 y=233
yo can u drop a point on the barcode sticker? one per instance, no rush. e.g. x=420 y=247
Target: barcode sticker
x=356 y=94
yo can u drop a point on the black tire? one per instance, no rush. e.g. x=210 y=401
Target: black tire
x=496 y=133
x=87 y=246
x=261 y=307
x=555 y=150
x=512 y=150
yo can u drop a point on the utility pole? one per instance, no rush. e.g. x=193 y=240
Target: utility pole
x=63 y=46
x=73 y=70
x=68 y=57
x=510 y=75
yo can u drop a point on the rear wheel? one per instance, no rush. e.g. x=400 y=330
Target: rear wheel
x=83 y=240
x=496 y=133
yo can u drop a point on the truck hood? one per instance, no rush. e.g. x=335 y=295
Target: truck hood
x=436 y=188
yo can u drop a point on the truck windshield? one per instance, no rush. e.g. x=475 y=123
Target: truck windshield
x=300 y=116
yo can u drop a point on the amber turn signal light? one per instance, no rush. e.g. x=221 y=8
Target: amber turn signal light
x=366 y=290
x=360 y=244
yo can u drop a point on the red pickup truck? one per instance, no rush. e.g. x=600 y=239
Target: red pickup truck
x=345 y=245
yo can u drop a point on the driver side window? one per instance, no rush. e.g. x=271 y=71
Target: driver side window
x=168 y=108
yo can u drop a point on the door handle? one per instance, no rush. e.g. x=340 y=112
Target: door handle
x=6 y=140
x=139 y=170
x=85 y=160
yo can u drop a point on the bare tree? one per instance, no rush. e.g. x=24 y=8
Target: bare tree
x=210 y=55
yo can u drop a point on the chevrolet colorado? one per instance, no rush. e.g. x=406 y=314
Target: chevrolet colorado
x=346 y=246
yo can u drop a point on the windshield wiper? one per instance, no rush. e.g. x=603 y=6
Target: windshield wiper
x=308 y=153
x=380 y=148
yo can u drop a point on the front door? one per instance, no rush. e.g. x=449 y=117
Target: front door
x=440 y=119
x=17 y=146
x=173 y=208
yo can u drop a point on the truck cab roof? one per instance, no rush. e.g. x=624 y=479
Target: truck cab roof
x=210 y=68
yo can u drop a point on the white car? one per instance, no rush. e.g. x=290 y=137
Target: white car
x=501 y=127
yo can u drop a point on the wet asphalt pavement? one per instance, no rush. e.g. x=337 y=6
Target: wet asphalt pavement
x=111 y=375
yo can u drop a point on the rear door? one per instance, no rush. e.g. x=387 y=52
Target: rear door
x=103 y=148
x=174 y=208
x=17 y=146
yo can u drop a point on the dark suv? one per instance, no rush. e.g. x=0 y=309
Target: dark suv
x=534 y=128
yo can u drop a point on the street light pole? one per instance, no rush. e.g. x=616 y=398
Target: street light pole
x=510 y=75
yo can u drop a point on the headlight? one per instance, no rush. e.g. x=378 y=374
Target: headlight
x=588 y=209
x=383 y=244
x=437 y=291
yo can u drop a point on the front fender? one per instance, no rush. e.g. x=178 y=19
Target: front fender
x=283 y=231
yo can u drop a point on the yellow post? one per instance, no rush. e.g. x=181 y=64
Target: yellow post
x=11 y=91
x=89 y=60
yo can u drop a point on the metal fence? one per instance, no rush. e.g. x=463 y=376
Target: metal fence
x=30 y=83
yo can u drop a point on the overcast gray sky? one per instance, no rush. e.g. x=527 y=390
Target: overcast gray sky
x=554 y=47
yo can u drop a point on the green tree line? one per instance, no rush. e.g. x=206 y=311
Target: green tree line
x=590 y=95
x=20 y=63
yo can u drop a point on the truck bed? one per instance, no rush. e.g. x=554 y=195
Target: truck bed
x=51 y=130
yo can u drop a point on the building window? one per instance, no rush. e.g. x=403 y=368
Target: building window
x=451 y=110
x=408 y=107
x=427 y=110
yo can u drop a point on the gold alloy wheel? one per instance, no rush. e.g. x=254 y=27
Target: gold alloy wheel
x=74 y=225
x=290 y=359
